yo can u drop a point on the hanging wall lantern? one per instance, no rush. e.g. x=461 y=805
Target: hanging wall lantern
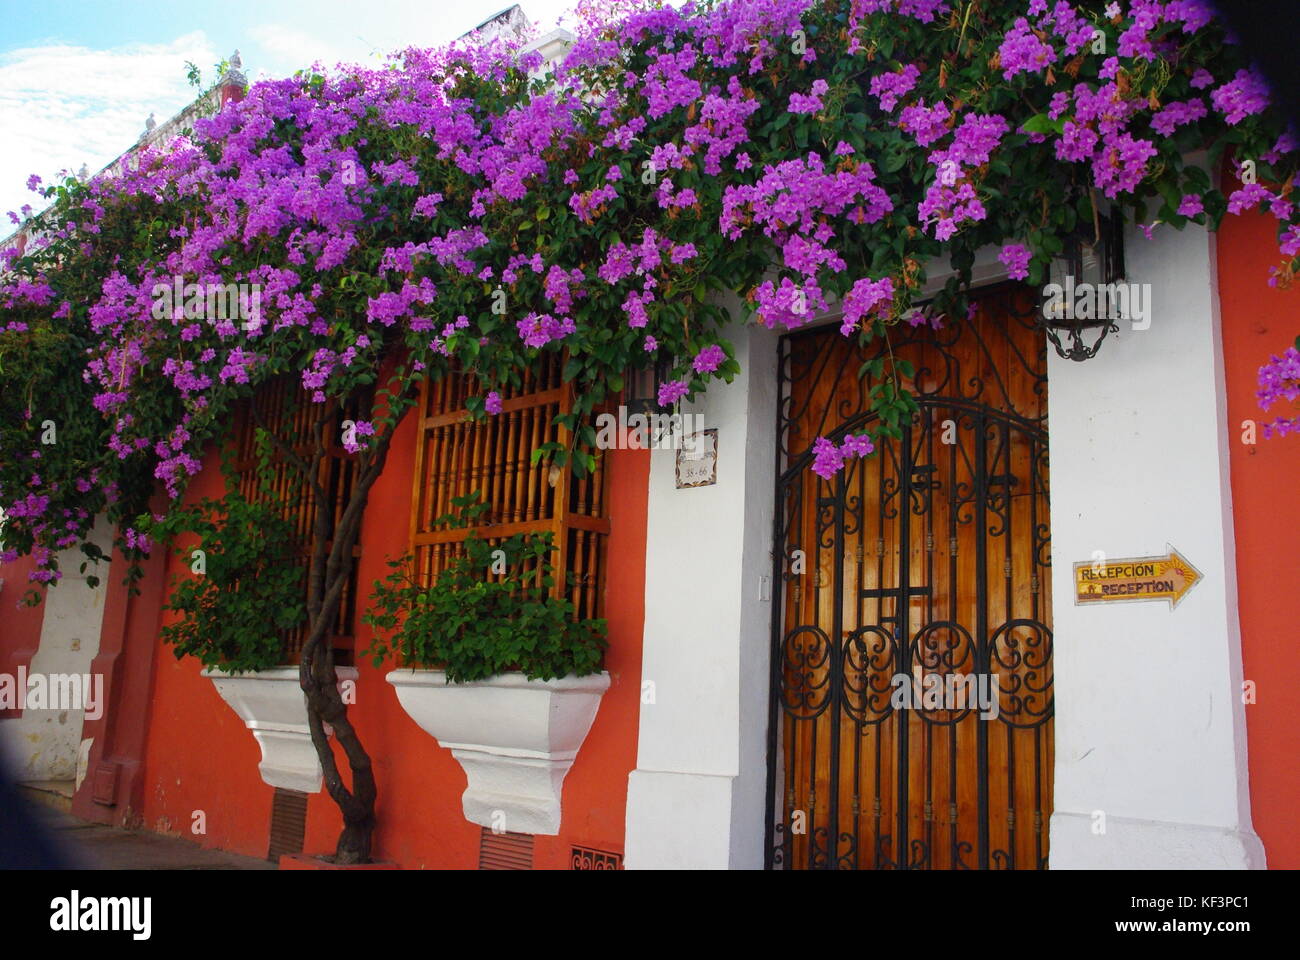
x=1079 y=302
x=641 y=387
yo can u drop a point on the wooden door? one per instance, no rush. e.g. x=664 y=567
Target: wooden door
x=911 y=583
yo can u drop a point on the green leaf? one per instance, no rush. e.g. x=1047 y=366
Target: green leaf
x=894 y=160
x=1042 y=123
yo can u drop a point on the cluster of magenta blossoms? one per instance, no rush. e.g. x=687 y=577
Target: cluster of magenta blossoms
x=1279 y=381
x=449 y=209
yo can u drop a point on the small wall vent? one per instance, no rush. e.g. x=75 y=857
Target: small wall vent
x=288 y=823
x=505 y=851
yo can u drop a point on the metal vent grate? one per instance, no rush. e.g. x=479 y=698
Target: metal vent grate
x=584 y=858
x=288 y=823
x=505 y=851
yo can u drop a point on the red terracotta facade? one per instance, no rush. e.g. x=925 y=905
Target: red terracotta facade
x=199 y=756
x=1257 y=322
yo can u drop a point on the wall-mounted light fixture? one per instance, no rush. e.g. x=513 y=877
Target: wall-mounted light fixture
x=1078 y=306
x=641 y=387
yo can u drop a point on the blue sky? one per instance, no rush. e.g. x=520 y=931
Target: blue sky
x=78 y=79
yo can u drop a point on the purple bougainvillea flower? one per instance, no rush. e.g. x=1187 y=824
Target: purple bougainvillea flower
x=1015 y=257
x=1246 y=94
x=857 y=446
x=809 y=103
x=1023 y=51
x=827 y=458
x=672 y=391
x=889 y=88
x=709 y=359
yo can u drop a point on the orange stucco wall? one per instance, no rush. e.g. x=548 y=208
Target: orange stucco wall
x=20 y=625
x=200 y=757
x=1259 y=321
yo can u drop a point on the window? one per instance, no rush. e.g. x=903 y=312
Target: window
x=282 y=407
x=456 y=456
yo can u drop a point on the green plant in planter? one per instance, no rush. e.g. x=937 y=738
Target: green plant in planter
x=245 y=581
x=490 y=611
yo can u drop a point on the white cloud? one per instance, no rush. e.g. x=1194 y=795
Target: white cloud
x=282 y=45
x=62 y=106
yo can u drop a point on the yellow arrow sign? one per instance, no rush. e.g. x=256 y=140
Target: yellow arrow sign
x=1135 y=578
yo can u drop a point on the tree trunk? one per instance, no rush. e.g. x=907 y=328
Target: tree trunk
x=330 y=565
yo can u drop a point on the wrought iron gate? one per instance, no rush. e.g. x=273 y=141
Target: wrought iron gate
x=913 y=581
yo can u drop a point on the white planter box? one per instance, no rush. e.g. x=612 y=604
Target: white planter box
x=273 y=706
x=515 y=739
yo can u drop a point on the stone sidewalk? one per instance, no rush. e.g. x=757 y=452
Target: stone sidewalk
x=98 y=847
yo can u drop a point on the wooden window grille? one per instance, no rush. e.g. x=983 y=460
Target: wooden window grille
x=284 y=408
x=456 y=456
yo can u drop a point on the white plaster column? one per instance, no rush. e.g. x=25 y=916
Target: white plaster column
x=1150 y=727
x=697 y=796
x=46 y=744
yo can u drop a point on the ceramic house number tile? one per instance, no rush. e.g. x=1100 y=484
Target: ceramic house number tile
x=697 y=461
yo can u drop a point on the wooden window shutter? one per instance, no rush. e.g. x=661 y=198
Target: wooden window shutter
x=456 y=456
x=283 y=406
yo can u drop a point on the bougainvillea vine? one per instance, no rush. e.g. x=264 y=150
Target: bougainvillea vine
x=801 y=156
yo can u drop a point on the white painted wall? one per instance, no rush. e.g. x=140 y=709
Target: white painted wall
x=1150 y=728
x=44 y=744
x=696 y=798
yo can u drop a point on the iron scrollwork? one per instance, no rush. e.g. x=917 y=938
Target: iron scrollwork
x=931 y=559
